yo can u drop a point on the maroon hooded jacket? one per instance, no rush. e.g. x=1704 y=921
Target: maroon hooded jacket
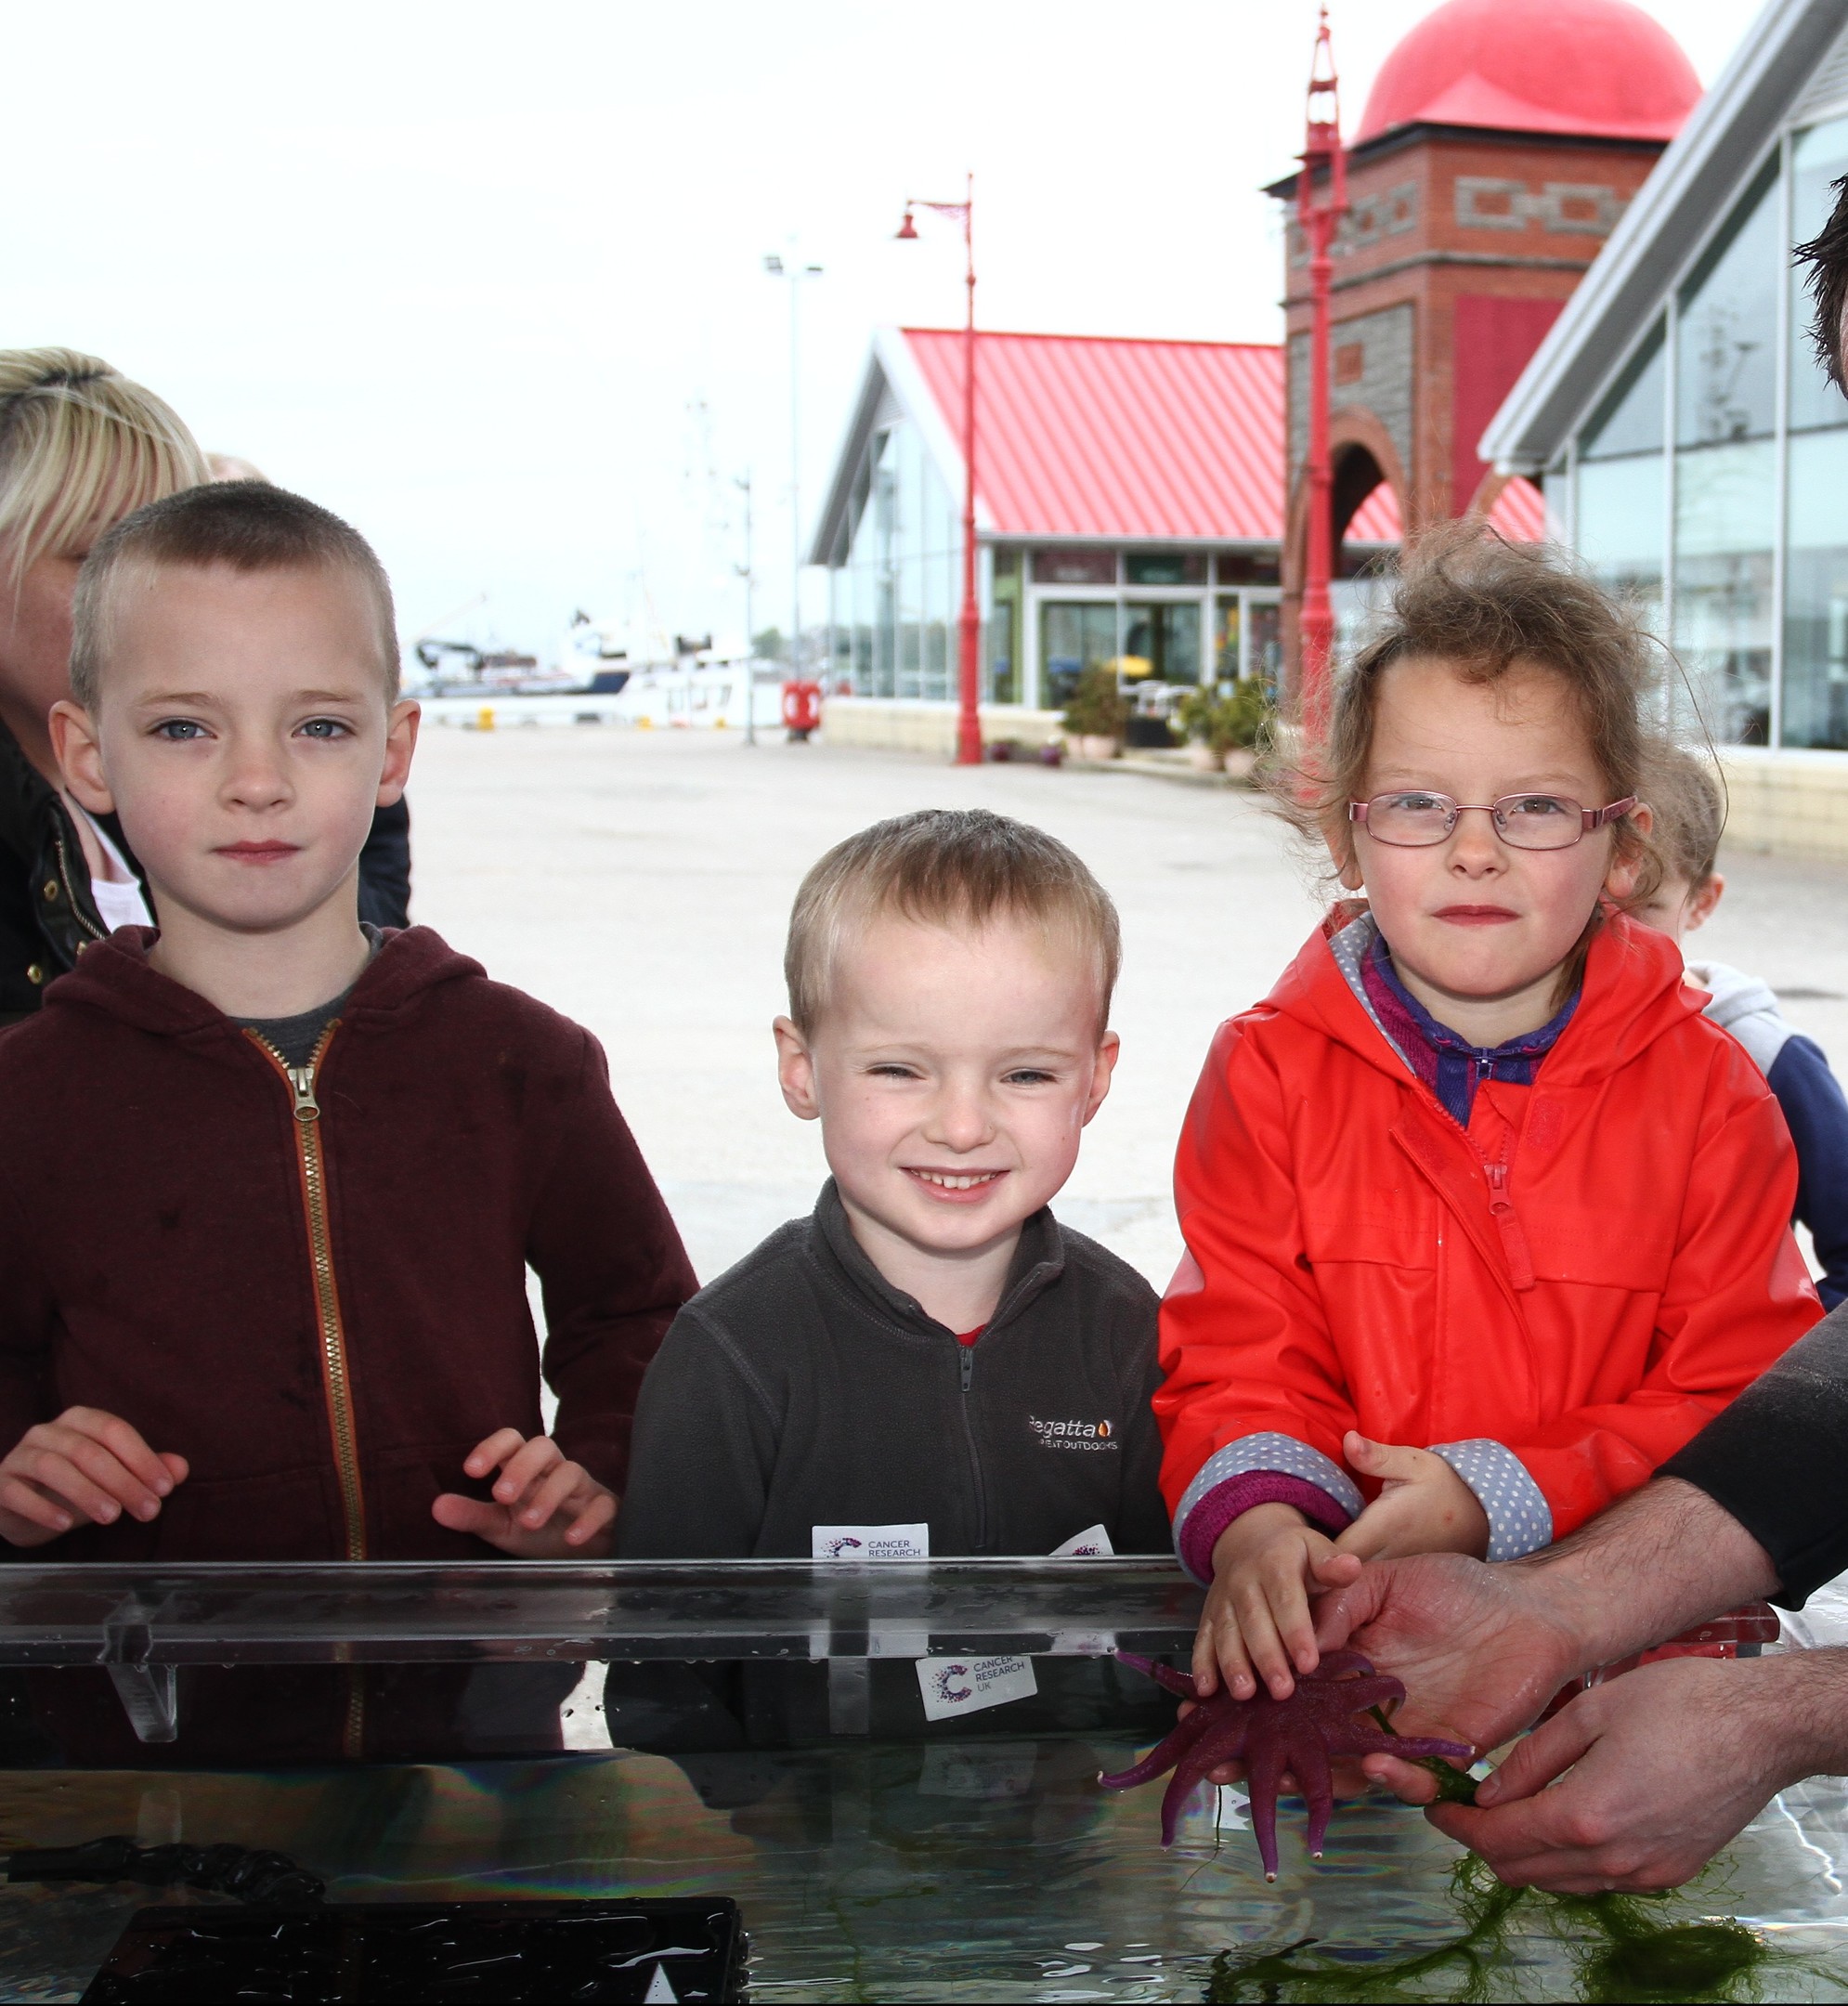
x=316 y=1293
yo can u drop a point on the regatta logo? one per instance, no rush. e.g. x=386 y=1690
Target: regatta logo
x=1086 y=1434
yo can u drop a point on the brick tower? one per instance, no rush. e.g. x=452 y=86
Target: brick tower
x=1501 y=142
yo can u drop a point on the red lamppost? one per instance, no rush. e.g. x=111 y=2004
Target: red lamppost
x=969 y=721
x=1322 y=157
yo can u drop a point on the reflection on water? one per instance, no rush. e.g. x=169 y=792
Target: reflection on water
x=976 y=1869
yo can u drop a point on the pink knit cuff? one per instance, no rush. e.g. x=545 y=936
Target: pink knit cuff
x=1236 y=1497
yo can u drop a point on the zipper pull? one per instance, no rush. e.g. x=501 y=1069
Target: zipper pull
x=302 y=1078
x=1513 y=1241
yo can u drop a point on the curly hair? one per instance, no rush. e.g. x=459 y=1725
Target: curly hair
x=1468 y=598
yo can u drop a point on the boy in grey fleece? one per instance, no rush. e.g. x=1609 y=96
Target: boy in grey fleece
x=930 y=1364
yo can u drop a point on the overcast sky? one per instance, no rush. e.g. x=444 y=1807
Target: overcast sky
x=488 y=280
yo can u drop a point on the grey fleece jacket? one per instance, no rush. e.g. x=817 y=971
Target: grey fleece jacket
x=801 y=1388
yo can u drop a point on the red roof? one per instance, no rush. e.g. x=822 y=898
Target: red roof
x=1089 y=435
x=1519 y=512
x=1597 y=68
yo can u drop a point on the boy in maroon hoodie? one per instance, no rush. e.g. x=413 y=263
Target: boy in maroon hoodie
x=269 y=1181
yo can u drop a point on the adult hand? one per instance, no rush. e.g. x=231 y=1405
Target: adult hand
x=86 y=1467
x=1666 y=1764
x=1480 y=1650
x=544 y=1508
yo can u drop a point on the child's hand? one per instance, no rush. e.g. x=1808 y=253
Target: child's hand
x=1424 y=1505
x=86 y=1467
x=544 y=1508
x=1257 y=1620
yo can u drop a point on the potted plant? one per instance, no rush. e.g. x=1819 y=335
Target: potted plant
x=1224 y=730
x=1244 y=724
x=1094 y=717
x=1195 y=714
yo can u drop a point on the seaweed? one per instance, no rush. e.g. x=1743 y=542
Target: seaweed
x=1624 y=1949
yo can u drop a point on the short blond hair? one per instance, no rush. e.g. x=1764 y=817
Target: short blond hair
x=245 y=525
x=80 y=447
x=944 y=866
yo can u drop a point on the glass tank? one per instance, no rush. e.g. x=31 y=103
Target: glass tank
x=868 y=1858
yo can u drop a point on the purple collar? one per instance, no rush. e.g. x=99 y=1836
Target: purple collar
x=1450 y=1066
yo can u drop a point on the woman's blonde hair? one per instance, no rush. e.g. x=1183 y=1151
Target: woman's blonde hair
x=80 y=447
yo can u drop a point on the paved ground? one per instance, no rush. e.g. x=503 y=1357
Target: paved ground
x=641 y=882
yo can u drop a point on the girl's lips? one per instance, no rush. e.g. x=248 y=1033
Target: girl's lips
x=258 y=852
x=956 y=1187
x=1477 y=915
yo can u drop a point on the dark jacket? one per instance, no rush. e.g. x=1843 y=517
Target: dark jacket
x=801 y=1389
x=1773 y=1459
x=48 y=916
x=157 y=1249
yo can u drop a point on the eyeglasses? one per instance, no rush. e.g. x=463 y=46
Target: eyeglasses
x=1416 y=818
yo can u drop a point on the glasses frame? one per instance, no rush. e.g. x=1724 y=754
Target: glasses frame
x=1589 y=818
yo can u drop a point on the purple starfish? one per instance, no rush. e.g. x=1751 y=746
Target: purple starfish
x=1272 y=1738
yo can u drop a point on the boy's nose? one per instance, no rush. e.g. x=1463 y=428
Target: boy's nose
x=960 y=1122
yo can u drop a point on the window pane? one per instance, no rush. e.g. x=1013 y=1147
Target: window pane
x=1164 y=568
x=1815 y=585
x=1818 y=158
x=1619 y=529
x=1725 y=366
x=1722 y=611
x=1072 y=638
x=1265 y=651
x=1080 y=566
x=1630 y=418
x=1226 y=640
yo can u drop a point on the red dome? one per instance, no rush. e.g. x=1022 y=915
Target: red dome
x=1594 y=67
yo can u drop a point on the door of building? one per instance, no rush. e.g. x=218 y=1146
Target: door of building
x=1074 y=634
x=1166 y=636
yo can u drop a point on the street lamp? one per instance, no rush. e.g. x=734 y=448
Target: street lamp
x=793 y=274
x=1322 y=154
x=969 y=721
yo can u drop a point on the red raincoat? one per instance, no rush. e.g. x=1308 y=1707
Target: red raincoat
x=1348 y=1270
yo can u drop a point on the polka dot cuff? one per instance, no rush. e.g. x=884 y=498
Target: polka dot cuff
x=1281 y=1454
x=1520 y=1522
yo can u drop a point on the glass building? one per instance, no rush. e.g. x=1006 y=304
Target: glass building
x=1694 y=452
x=1130 y=511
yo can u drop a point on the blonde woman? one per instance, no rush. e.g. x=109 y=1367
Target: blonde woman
x=80 y=447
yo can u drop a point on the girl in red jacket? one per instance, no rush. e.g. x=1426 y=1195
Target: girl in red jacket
x=1484 y=1220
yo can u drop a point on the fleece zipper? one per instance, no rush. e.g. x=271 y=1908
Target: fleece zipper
x=966 y=1361
x=336 y=1376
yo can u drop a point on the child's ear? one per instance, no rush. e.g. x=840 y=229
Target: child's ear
x=795 y=1070
x=1109 y=1045
x=1620 y=881
x=80 y=757
x=1339 y=837
x=400 y=743
x=1701 y=902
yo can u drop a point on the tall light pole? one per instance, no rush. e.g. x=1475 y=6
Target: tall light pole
x=1322 y=156
x=742 y=483
x=968 y=719
x=792 y=274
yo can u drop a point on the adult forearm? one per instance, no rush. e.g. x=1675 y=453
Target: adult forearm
x=1657 y=1561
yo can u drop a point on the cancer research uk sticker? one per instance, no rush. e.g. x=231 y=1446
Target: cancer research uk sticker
x=870 y=1541
x=953 y=1685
